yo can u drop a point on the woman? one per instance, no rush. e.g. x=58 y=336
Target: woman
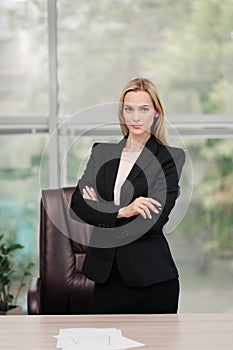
x=127 y=192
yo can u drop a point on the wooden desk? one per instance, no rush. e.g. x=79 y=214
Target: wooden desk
x=181 y=332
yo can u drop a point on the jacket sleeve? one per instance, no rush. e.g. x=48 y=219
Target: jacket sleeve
x=167 y=188
x=102 y=213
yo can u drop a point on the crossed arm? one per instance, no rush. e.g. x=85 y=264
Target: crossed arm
x=85 y=204
x=140 y=206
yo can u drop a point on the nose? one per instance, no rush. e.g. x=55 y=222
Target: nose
x=136 y=115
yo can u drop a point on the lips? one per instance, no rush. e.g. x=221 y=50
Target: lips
x=136 y=126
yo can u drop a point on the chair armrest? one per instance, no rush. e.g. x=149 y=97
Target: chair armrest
x=34 y=297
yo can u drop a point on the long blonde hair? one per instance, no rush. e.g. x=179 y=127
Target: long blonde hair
x=142 y=84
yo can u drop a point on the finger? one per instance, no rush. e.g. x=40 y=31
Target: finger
x=147 y=211
x=90 y=192
x=93 y=193
x=86 y=194
x=146 y=200
x=152 y=200
x=148 y=204
x=153 y=208
x=87 y=188
x=142 y=212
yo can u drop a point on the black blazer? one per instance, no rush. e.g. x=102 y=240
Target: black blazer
x=139 y=245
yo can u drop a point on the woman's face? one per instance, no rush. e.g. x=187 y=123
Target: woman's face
x=138 y=112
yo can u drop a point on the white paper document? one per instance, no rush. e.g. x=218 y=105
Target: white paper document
x=93 y=339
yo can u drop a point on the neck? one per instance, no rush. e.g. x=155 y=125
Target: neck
x=136 y=143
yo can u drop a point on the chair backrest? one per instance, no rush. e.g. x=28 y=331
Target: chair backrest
x=64 y=289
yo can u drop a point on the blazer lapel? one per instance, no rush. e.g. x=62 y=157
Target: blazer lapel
x=144 y=158
x=111 y=168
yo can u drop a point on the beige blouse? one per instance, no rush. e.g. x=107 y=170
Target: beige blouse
x=126 y=163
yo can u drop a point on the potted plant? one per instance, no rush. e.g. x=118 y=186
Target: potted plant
x=9 y=278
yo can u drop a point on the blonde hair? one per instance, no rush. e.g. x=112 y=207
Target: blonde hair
x=142 y=84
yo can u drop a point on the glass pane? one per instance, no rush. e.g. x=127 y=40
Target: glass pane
x=185 y=47
x=203 y=242
x=24 y=60
x=20 y=194
x=74 y=154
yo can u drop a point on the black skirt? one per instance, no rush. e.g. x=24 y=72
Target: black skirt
x=116 y=297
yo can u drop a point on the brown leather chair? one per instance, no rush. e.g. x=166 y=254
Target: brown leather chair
x=61 y=288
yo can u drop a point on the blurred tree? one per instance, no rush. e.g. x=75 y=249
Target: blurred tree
x=184 y=46
x=210 y=216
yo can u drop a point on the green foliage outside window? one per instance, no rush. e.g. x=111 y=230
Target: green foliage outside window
x=210 y=213
x=11 y=272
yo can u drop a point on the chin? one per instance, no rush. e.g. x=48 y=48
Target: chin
x=138 y=131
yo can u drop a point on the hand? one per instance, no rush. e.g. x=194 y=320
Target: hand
x=89 y=193
x=142 y=206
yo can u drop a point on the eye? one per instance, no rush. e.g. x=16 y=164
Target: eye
x=128 y=109
x=144 y=109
